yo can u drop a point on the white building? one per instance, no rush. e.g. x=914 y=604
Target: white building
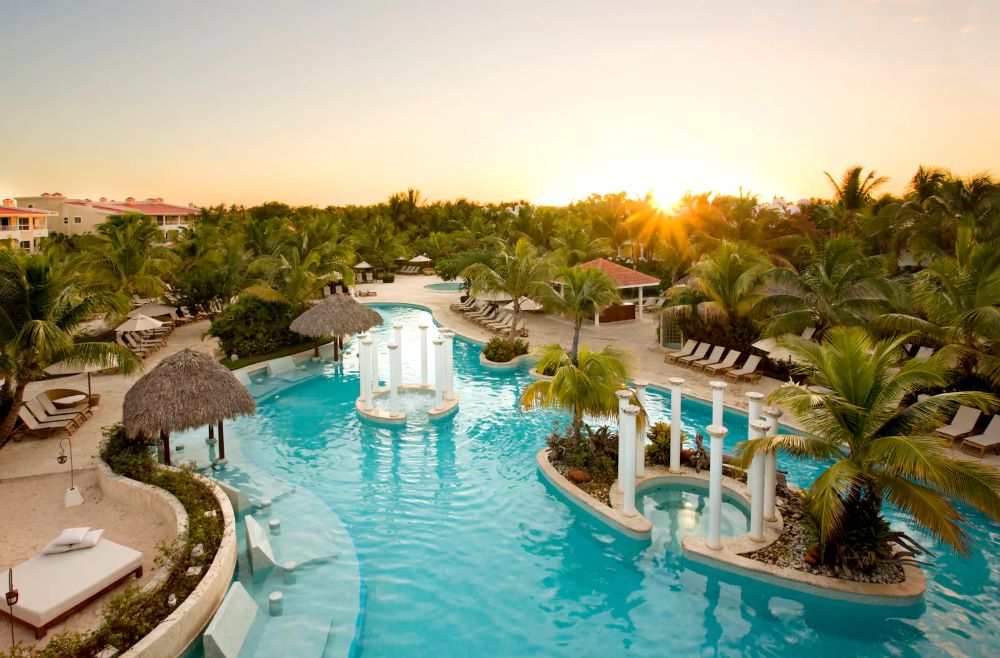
x=24 y=226
x=78 y=216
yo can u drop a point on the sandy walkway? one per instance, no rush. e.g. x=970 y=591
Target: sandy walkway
x=32 y=514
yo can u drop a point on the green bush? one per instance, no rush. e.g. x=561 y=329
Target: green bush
x=596 y=451
x=658 y=452
x=254 y=326
x=132 y=614
x=502 y=350
x=735 y=333
x=388 y=277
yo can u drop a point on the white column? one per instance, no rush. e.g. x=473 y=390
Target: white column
x=398 y=334
x=375 y=373
x=395 y=374
x=676 y=392
x=626 y=425
x=718 y=408
x=758 y=428
x=364 y=370
x=624 y=395
x=640 y=438
x=640 y=303
x=449 y=359
x=755 y=401
x=423 y=355
x=438 y=372
x=716 y=449
x=771 y=415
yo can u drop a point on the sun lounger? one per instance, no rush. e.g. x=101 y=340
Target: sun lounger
x=962 y=424
x=43 y=416
x=285 y=368
x=683 y=351
x=725 y=364
x=697 y=355
x=990 y=439
x=53 y=587
x=34 y=425
x=808 y=333
x=467 y=304
x=52 y=410
x=923 y=353
x=748 y=371
x=714 y=357
x=490 y=317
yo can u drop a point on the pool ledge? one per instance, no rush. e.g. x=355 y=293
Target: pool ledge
x=513 y=364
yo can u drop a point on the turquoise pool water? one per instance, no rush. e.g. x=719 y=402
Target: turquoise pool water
x=677 y=510
x=447 y=286
x=465 y=551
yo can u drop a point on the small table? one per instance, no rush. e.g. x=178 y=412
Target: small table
x=69 y=400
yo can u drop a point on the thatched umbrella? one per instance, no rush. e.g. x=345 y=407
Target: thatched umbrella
x=186 y=390
x=337 y=315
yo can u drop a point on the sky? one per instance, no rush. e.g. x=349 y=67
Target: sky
x=331 y=102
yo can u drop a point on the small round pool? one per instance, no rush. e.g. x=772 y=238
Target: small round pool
x=447 y=286
x=677 y=510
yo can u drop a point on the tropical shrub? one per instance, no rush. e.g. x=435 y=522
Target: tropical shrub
x=594 y=451
x=388 y=277
x=502 y=350
x=658 y=452
x=255 y=326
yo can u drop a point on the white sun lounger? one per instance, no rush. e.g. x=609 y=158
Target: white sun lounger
x=714 y=357
x=683 y=351
x=53 y=587
x=725 y=364
x=923 y=353
x=748 y=371
x=985 y=441
x=697 y=355
x=963 y=423
x=255 y=389
x=285 y=368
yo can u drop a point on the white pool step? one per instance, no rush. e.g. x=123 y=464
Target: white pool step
x=227 y=634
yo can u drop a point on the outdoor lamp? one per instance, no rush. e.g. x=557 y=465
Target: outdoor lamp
x=72 y=498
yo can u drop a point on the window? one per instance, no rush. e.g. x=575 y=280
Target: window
x=23 y=223
x=65 y=220
x=26 y=244
x=77 y=220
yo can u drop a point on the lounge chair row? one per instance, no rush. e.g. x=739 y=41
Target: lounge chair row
x=962 y=426
x=697 y=356
x=144 y=343
x=487 y=315
x=410 y=269
x=39 y=414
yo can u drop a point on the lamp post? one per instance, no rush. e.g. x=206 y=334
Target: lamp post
x=73 y=497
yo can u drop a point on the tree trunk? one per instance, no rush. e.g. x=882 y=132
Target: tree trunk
x=513 y=325
x=7 y=426
x=577 y=421
x=577 y=324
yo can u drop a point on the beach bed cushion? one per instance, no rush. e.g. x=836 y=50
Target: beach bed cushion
x=52 y=587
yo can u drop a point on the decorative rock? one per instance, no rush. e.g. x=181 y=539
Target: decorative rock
x=275 y=603
x=198 y=551
x=172 y=600
x=210 y=514
x=578 y=476
x=194 y=571
x=275 y=525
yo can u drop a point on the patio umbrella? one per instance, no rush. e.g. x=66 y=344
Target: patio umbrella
x=527 y=304
x=186 y=390
x=362 y=266
x=422 y=258
x=337 y=315
x=66 y=368
x=153 y=310
x=138 y=322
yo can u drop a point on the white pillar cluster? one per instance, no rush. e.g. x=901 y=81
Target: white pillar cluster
x=717 y=434
x=772 y=415
x=397 y=332
x=423 y=355
x=640 y=439
x=395 y=374
x=676 y=392
x=439 y=364
x=626 y=426
x=375 y=373
x=758 y=428
x=624 y=395
x=718 y=399
x=449 y=358
x=755 y=402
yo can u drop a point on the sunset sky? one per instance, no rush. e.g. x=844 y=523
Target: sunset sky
x=322 y=102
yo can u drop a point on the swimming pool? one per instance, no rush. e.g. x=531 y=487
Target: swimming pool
x=464 y=551
x=447 y=286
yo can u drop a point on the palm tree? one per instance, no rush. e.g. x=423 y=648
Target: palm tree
x=881 y=451
x=583 y=293
x=959 y=298
x=840 y=286
x=726 y=283
x=853 y=192
x=379 y=243
x=295 y=277
x=583 y=386
x=41 y=310
x=516 y=272
x=126 y=256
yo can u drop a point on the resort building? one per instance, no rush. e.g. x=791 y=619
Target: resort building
x=24 y=226
x=78 y=216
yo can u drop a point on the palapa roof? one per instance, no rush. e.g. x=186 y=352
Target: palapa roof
x=186 y=390
x=336 y=315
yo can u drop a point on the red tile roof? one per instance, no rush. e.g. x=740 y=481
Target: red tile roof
x=14 y=211
x=140 y=207
x=623 y=277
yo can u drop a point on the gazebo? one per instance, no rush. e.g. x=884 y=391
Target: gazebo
x=624 y=278
x=186 y=390
x=337 y=315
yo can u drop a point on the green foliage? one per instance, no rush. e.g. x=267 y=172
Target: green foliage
x=255 y=326
x=132 y=614
x=658 y=451
x=738 y=333
x=451 y=267
x=388 y=277
x=593 y=451
x=502 y=350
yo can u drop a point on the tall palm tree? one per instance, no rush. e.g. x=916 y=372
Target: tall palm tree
x=854 y=192
x=583 y=293
x=295 y=277
x=882 y=452
x=41 y=310
x=726 y=283
x=840 y=286
x=517 y=272
x=125 y=255
x=958 y=298
x=583 y=386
